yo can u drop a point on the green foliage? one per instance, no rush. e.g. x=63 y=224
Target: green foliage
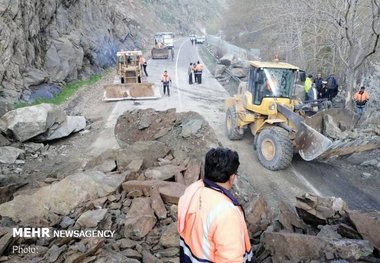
x=67 y=91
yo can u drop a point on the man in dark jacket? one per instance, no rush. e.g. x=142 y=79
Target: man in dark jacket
x=332 y=87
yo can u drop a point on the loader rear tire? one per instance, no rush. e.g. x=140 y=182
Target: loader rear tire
x=274 y=148
x=233 y=131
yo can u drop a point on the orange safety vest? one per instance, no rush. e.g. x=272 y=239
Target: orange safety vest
x=361 y=97
x=199 y=67
x=165 y=78
x=211 y=226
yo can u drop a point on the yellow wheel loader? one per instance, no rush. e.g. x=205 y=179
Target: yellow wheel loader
x=129 y=83
x=265 y=105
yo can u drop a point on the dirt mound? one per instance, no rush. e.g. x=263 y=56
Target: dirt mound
x=188 y=134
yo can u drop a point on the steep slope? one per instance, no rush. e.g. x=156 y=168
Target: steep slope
x=56 y=41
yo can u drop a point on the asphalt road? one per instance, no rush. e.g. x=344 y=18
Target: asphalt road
x=208 y=100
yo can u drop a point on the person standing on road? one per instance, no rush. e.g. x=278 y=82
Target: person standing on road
x=307 y=87
x=318 y=82
x=199 y=72
x=172 y=53
x=143 y=65
x=190 y=72
x=166 y=80
x=211 y=221
x=361 y=98
x=195 y=72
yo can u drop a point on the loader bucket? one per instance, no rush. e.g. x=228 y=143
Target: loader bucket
x=160 y=53
x=311 y=143
x=130 y=91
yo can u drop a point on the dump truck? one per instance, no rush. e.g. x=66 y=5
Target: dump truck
x=128 y=83
x=265 y=105
x=163 y=41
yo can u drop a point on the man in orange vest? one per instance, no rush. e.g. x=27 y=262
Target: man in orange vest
x=361 y=98
x=210 y=220
x=199 y=69
x=165 y=79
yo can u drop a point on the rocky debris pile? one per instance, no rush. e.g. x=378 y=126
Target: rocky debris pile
x=187 y=134
x=321 y=229
x=132 y=191
x=231 y=66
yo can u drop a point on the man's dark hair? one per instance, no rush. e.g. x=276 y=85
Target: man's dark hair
x=309 y=76
x=220 y=164
x=362 y=88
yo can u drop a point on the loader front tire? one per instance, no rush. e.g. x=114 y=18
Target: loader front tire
x=274 y=148
x=233 y=131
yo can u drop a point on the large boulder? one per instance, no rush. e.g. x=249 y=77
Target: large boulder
x=26 y=123
x=219 y=71
x=70 y=125
x=60 y=198
x=227 y=59
x=239 y=72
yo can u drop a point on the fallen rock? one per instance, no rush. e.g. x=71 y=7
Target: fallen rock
x=227 y=59
x=6 y=192
x=191 y=127
x=4 y=141
x=368 y=225
x=135 y=165
x=66 y=222
x=163 y=172
x=62 y=197
x=157 y=204
x=328 y=231
x=171 y=192
x=170 y=236
x=143 y=186
x=54 y=252
x=70 y=125
x=107 y=166
x=28 y=122
x=331 y=129
x=239 y=72
x=258 y=215
x=219 y=70
x=5 y=239
x=92 y=218
x=193 y=171
x=140 y=218
x=288 y=218
x=298 y=247
x=9 y=154
x=315 y=210
x=31 y=147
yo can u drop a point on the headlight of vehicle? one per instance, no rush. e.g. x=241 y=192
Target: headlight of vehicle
x=272 y=107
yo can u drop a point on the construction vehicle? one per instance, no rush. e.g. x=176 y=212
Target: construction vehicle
x=163 y=41
x=266 y=106
x=128 y=82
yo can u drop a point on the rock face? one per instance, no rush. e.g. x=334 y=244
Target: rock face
x=60 y=40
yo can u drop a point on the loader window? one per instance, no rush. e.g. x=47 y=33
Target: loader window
x=271 y=82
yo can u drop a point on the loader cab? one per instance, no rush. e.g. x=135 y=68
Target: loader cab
x=271 y=80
